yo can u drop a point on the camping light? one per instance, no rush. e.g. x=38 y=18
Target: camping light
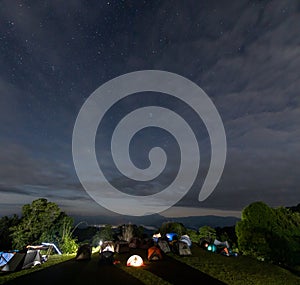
x=100 y=242
x=135 y=261
x=156 y=237
x=212 y=248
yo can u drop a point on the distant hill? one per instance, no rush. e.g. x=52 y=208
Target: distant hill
x=156 y=220
x=213 y=221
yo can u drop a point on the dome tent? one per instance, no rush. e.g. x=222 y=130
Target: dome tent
x=186 y=239
x=84 y=252
x=154 y=253
x=135 y=261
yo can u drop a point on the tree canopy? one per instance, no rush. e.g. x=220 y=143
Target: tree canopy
x=175 y=227
x=269 y=233
x=43 y=221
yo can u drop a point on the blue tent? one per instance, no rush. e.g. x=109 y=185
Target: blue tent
x=5 y=257
x=172 y=236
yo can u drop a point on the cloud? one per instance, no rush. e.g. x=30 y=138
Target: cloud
x=245 y=56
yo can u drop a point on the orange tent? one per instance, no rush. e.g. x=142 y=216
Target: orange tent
x=154 y=253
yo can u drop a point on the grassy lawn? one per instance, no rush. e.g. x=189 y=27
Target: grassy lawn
x=53 y=259
x=241 y=270
x=138 y=272
x=231 y=270
x=145 y=276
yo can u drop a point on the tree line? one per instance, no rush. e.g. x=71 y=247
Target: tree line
x=265 y=233
x=41 y=221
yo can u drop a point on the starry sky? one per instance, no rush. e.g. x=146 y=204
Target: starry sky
x=245 y=55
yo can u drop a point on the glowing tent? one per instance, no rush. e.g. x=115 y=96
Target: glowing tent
x=106 y=253
x=135 y=261
x=154 y=253
x=156 y=237
x=212 y=248
x=171 y=236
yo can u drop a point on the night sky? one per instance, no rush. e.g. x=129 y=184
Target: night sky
x=245 y=55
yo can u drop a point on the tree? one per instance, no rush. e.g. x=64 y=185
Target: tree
x=127 y=232
x=104 y=234
x=208 y=233
x=5 y=224
x=271 y=234
x=194 y=235
x=42 y=221
x=169 y=227
x=253 y=230
x=227 y=233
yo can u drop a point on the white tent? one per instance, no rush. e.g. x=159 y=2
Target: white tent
x=135 y=261
x=183 y=248
x=221 y=243
x=186 y=239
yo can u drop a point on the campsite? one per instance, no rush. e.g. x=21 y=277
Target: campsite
x=162 y=258
x=127 y=253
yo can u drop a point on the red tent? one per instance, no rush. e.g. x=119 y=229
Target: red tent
x=154 y=253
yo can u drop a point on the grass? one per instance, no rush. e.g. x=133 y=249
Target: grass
x=241 y=270
x=143 y=275
x=139 y=273
x=53 y=259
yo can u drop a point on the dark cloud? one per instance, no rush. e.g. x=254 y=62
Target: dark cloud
x=245 y=55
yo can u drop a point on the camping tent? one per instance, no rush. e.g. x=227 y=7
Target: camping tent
x=154 y=253
x=146 y=243
x=106 y=257
x=135 y=242
x=135 y=261
x=155 y=237
x=204 y=242
x=107 y=246
x=212 y=248
x=181 y=248
x=221 y=243
x=52 y=246
x=84 y=252
x=26 y=258
x=122 y=246
x=163 y=245
x=186 y=239
x=106 y=253
x=5 y=257
x=172 y=236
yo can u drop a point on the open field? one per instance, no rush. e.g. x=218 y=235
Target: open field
x=53 y=259
x=238 y=270
x=208 y=267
